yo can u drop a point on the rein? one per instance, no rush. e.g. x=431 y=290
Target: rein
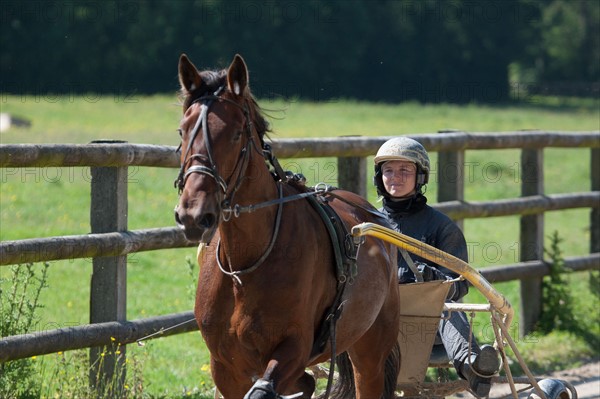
x=236 y=273
x=237 y=209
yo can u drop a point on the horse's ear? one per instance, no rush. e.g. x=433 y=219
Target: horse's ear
x=237 y=75
x=188 y=75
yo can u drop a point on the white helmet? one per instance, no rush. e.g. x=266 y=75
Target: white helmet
x=402 y=149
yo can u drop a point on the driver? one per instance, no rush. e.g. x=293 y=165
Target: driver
x=401 y=172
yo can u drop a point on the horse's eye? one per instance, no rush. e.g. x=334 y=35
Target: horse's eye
x=180 y=132
x=237 y=135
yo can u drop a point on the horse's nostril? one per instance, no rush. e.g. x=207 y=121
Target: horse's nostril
x=207 y=220
x=177 y=218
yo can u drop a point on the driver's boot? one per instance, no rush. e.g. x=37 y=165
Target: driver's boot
x=485 y=364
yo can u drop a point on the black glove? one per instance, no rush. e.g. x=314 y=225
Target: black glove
x=430 y=273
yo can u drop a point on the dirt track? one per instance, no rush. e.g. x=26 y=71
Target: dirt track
x=585 y=379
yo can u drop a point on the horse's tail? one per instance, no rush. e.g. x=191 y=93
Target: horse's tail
x=392 y=368
x=345 y=388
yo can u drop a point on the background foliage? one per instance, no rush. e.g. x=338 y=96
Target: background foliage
x=384 y=50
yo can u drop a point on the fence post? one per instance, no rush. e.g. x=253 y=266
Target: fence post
x=531 y=238
x=108 y=294
x=595 y=212
x=451 y=177
x=352 y=174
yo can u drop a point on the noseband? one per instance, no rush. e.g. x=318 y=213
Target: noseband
x=208 y=166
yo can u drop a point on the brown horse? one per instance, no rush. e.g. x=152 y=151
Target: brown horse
x=268 y=280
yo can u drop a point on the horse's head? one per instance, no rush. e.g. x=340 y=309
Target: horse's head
x=220 y=128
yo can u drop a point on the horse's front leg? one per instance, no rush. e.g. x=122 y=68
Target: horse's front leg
x=227 y=382
x=265 y=389
x=285 y=372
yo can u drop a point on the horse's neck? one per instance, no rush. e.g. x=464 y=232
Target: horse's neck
x=247 y=236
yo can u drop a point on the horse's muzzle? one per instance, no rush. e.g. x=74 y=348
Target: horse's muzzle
x=197 y=226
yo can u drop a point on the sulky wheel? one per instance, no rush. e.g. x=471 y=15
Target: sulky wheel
x=554 y=389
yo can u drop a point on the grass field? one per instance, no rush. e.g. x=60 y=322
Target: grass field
x=55 y=201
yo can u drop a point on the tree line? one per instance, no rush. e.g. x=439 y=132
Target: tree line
x=377 y=50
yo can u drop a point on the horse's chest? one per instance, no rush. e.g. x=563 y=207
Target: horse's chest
x=242 y=345
x=251 y=331
x=238 y=331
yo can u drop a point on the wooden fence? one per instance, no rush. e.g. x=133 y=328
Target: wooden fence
x=110 y=242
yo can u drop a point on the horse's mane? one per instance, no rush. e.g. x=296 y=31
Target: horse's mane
x=211 y=82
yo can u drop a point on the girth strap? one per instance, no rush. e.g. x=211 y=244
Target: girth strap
x=343 y=246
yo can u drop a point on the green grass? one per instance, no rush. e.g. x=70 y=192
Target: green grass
x=154 y=119
x=55 y=201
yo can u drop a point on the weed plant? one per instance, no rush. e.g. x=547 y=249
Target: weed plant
x=66 y=374
x=20 y=300
x=569 y=314
x=559 y=308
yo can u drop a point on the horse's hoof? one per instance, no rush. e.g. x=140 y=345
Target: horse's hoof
x=262 y=389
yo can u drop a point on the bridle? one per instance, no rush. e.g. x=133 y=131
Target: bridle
x=209 y=168
x=207 y=164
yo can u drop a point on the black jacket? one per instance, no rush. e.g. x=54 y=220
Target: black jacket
x=418 y=220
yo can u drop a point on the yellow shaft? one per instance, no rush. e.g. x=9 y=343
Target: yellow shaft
x=496 y=299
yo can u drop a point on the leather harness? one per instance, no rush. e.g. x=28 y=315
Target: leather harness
x=344 y=248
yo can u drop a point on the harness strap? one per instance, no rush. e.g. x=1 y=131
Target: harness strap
x=411 y=265
x=345 y=258
x=333 y=317
x=325 y=212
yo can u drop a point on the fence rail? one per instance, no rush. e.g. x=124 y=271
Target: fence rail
x=108 y=157
x=124 y=154
x=90 y=245
x=94 y=335
x=127 y=242
x=127 y=332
